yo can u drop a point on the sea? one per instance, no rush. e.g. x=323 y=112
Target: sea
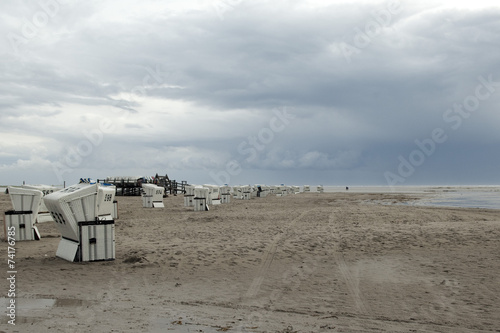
x=472 y=196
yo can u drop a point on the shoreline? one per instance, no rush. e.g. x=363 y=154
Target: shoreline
x=464 y=196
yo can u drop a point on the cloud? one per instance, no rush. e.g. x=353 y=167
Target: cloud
x=33 y=163
x=183 y=84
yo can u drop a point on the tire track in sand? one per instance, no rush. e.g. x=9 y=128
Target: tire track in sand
x=268 y=256
x=351 y=282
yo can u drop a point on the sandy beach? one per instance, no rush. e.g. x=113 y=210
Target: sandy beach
x=330 y=262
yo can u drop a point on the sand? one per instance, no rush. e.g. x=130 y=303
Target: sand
x=331 y=262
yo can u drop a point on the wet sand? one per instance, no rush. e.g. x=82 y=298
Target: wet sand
x=331 y=262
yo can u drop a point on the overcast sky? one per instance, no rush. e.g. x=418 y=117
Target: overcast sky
x=240 y=91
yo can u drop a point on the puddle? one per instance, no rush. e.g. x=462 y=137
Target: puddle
x=27 y=305
x=63 y=302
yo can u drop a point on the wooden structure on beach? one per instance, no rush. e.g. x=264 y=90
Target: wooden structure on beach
x=171 y=186
x=132 y=186
x=125 y=186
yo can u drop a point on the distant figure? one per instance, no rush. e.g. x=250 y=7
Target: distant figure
x=347 y=188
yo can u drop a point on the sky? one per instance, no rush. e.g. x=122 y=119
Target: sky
x=243 y=92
